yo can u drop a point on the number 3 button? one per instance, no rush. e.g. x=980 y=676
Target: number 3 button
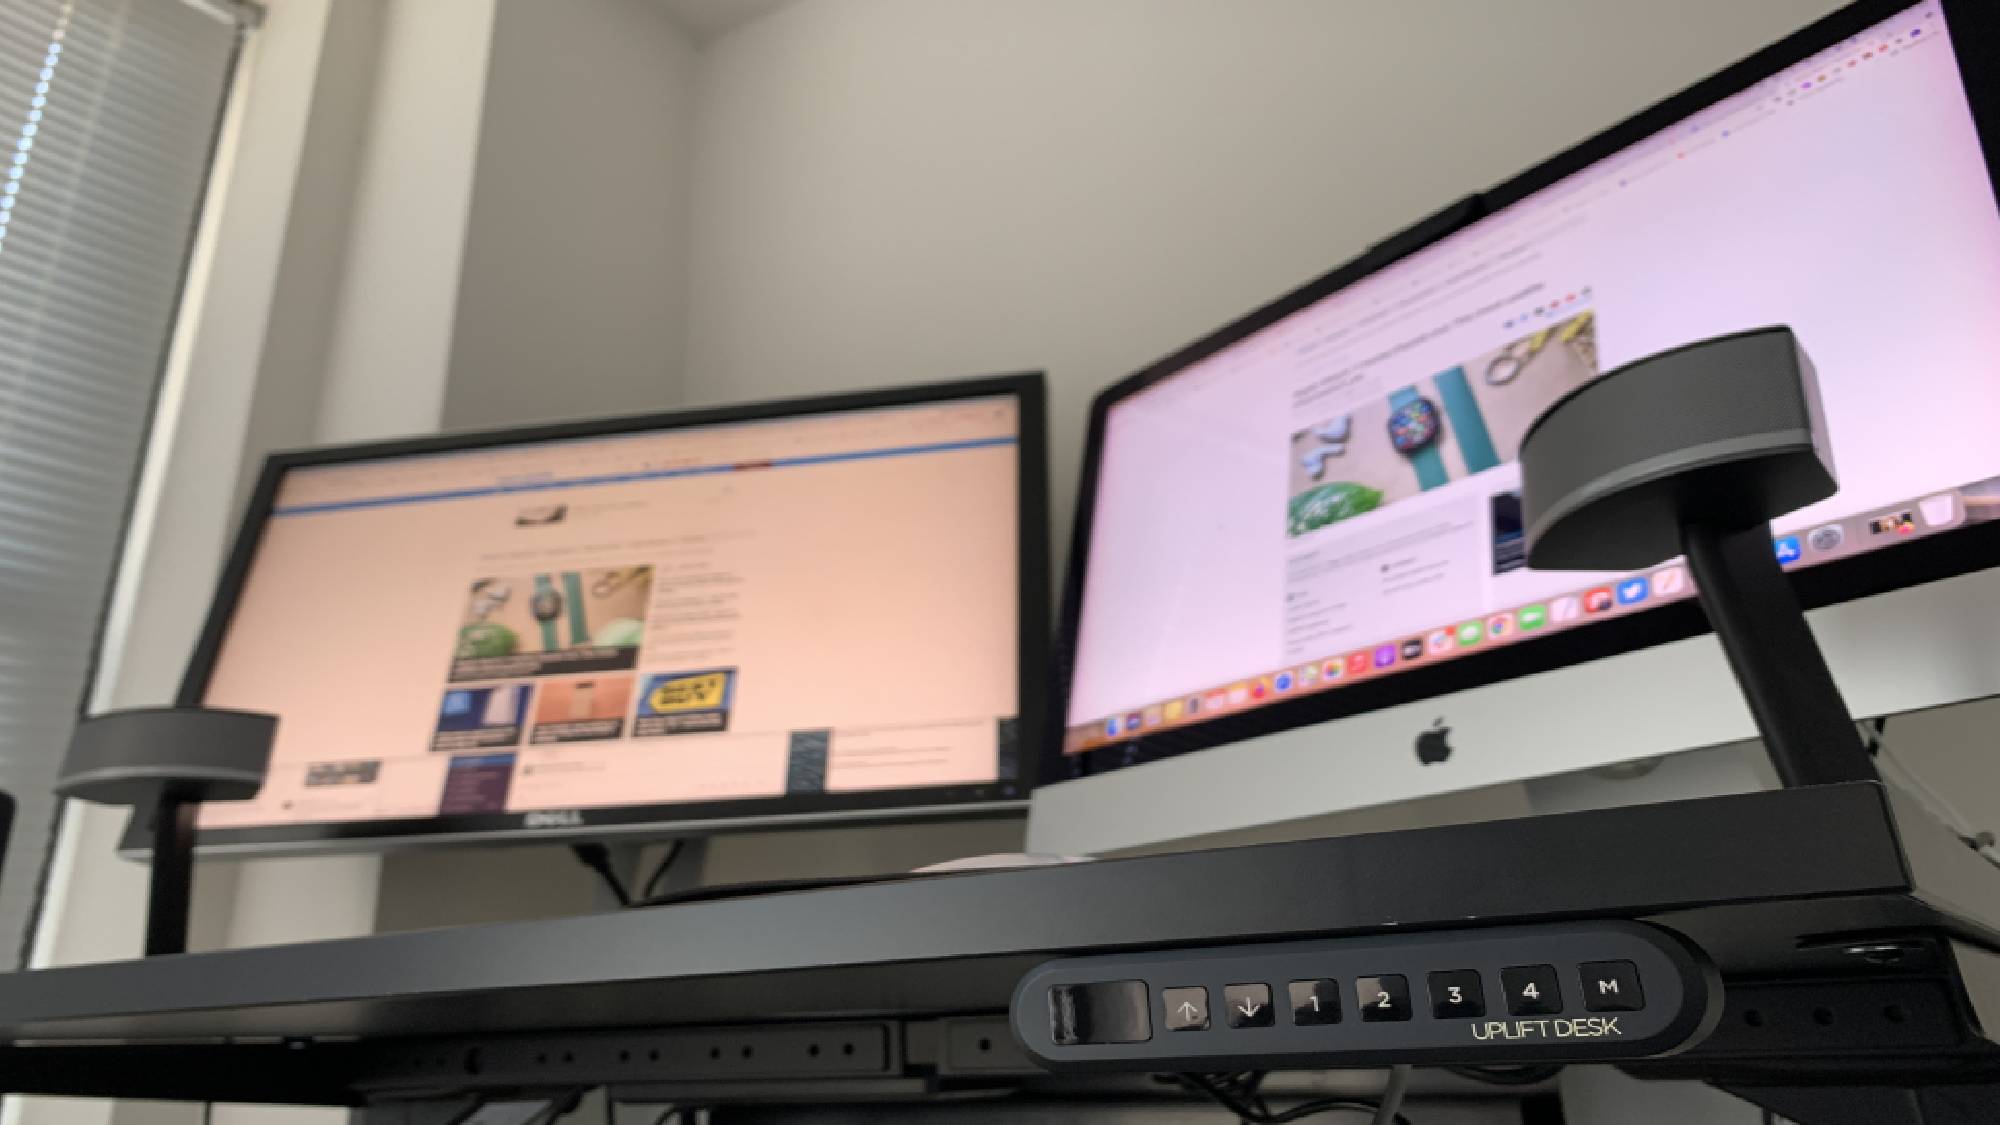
x=1383 y=998
x=1456 y=994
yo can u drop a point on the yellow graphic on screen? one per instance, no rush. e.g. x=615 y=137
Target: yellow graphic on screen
x=685 y=702
x=690 y=693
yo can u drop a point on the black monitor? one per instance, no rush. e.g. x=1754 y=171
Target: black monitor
x=814 y=610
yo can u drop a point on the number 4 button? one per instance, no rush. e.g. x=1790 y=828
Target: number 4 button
x=1532 y=990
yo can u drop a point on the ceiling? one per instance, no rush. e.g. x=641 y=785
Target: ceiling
x=705 y=20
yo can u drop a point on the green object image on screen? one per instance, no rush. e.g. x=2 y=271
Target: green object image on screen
x=1331 y=503
x=625 y=632
x=486 y=638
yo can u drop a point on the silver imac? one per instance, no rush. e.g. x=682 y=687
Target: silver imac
x=1297 y=583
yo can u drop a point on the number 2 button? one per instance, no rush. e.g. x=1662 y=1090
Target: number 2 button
x=1382 y=999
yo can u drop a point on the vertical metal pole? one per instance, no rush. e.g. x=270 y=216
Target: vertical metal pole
x=1778 y=664
x=172 y=882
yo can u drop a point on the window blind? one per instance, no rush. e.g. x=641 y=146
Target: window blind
x=108 y=116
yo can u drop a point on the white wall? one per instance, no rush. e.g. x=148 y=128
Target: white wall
x=391 y=342
x=573 y=294
x=387 y=349
x=889 y=190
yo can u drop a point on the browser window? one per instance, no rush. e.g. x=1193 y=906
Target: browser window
x=1336 y=496
x=820 y=604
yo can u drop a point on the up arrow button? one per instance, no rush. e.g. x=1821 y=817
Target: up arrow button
x=1187 y=1008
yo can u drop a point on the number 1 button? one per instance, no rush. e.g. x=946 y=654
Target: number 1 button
x=1315 y=1002
x=1383 y=999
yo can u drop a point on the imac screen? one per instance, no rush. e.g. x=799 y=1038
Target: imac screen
x=1333 y=498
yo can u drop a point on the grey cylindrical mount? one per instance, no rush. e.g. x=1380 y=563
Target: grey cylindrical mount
x=1694 y=451
x=1727 y=432
x=165 y=762
x=192 y=754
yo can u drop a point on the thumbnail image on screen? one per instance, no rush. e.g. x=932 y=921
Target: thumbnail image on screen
x=820 y=604
x=1380 y=425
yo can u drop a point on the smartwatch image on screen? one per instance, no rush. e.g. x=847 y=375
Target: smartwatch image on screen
x=547 y=605
x=1413 y=431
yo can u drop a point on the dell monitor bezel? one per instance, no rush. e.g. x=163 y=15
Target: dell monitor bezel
x=1002 y=797
x=1953 y=553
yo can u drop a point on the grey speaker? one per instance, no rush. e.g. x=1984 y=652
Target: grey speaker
x=165 y=762
x=1694 y=451
x=1727 y=431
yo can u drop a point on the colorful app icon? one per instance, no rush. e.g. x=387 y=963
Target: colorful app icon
x=1215 y=701
x=1896 y=523
x=1598 y=600
x=1357 y=663
x=1308 y=675
x=1131 y=721
x=1632 y=591
x=1111 y=727
x=1788 y=549
x=1534 y=617
x=1439 y=642
x=1500 y=626
x=1282 y=682
x=1260 y=688
x=1385 y=655
x=1471 y=633
x=1239 y=694
x=1669 y=581
x=1412 y=648
x=1938 y=510
x=1153 y=715
x=1172 y=710
x=1827 y=538
x=1330 y=670
x=1566 y=608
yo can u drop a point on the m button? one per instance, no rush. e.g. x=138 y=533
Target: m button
x=1611 y=986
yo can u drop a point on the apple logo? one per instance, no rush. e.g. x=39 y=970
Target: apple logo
x=1432 y=746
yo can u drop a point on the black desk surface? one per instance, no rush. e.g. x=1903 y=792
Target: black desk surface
x=1751 y=878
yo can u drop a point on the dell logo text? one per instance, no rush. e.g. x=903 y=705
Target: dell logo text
x=552 y=818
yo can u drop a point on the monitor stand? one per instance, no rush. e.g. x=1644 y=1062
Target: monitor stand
x=1602 y=491
x=639 y=883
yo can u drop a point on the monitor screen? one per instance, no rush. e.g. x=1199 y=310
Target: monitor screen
x=819 y=611
x=1326 y=496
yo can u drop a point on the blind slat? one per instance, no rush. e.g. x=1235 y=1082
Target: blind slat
x=93 y=247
